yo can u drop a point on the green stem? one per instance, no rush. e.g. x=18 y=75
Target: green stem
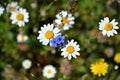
x=50 y=4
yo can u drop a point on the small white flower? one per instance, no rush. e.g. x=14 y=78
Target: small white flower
x=64 y=20
x=70 y=50
x=11 y=7
x=46 y=33
x=27 y=64
x=21 y=38
x=116 y=67
x=108 y=28
x=1 y=10
x=19 y=17
x=49 y=71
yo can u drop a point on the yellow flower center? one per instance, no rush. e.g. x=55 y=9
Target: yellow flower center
x=64 y=20
x=108 y=26
x=12 y=8
x=27 y=64
x=19 y=16
x=22 y=37
x=49 y=34
x=49 y=71
x=70 y=49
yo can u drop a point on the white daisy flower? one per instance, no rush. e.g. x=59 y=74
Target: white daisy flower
x=26 y=64
x=64 y=20
x=47 y=32
x=1 y=10
x=70 y=50
x=21 y=38
x=108 y=28
x=49 y=71
x=19 y=17
x=11 y=7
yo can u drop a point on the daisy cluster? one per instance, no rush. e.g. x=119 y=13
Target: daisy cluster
x=18 y=16
x=50 y=34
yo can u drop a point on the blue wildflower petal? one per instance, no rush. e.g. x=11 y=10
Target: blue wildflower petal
x=60 y=39
x=53 y=42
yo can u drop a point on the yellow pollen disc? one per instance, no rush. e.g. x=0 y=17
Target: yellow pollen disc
x=12 y=8
x=49 y=34
x=49 y=71
x=64 y=20
x=26 y=64
x=22 y=37
x=108 y=26
x=70 y=49
x=19 y=16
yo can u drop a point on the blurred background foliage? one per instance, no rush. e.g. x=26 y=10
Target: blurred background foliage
x=85 y=31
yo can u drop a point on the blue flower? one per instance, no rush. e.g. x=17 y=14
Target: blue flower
x=53 y=42
x=57 y=41
x=60 y=39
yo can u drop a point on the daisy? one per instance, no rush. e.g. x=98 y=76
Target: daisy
x=70 y=50
x=26 y=64
x=47 y=32
x=108 y=28
x=11 y=7
x=64 y=20
x=19 y=17
x=49 y=71
x=99 y=67
x=1 y=10
x=21 y=38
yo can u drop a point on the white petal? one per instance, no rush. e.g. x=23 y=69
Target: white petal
x=106 y=19
x=58 y=21
x=45 y=42
x=77 y=53
x=66 y=27
x=64 y=13
x=58 y=16
x=74 y=55
x=13 y=22
x=114 y=31
x=104 y=32
x=115 y=27
x=71 y=18
x=63 y=49
x=113 y=21
x=56 y=30
x=69 y=57
x=108 y=34
x=65 y=55
x=62 y=54
x=71 y=22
